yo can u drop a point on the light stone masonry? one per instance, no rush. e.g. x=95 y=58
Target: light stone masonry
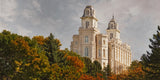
x=107 y=49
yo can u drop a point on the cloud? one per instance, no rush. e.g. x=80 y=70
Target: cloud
x=22 y=31
x=7 y=9
x=137 y=19
x=36 y=5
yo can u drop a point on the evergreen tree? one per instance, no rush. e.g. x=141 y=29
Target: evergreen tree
x=151 y=60
x=88 y=65
x=52 y=48
x=108 y=70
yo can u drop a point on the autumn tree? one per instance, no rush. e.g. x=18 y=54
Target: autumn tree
x=40 y=58
x=151 y=60
x=135 y=71
x=7 y=67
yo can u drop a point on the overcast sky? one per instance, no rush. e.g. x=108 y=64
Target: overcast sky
x=137 y=19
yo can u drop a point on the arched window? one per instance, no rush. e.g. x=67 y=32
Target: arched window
x=87 y=12
x=112 y=26
x=104 y=53
x=99 y=52
x=87 y=24
x=86 y=51
x=86 y=39
x=111 y=35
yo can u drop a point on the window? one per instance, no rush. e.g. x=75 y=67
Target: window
x=99 y=52
x=76 y=42
x=76 y=51
x=99 y=42
x=87 y=12
x=86 y=39
x=104 y=41
x=111 y=35
x=87 y=24
x=103 y=52
x=103 y=64
x=112 y=26
x=86 y=51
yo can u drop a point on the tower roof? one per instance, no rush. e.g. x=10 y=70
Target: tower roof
x=112 y=24
x=89 y=11
x=112 y=20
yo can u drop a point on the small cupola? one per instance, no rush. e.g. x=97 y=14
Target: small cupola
x=112 y=24
x=89 y=11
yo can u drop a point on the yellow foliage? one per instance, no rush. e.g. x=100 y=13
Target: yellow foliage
x=18 y=63
x=40 y=39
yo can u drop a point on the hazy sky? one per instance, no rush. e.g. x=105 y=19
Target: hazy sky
x=137 y=19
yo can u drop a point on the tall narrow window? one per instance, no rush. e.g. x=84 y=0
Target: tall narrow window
x=99 y=42
x=111 y=35
x=103 y=64
x=86 y=51
x=87 y=12
x=86 y=39
x=112 y=26
x=76 y=42
x=104 y=41
x=99 y=52
x=104 y=53
x=87 y=24
x=76 y=51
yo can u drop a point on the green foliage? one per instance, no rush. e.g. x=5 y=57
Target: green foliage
x=93 y=69
x=151 y=60
x=135 y=71
x=108 y=70
x=39 y=58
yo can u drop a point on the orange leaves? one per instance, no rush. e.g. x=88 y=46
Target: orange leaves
x=76 y=62
x=20 y=44
x=39 y=39
x=112 y=77
x=99 y=76
x=86 y=77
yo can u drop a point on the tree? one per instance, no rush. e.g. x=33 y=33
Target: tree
x=52 y=47
x=151 y=60
x=7 y=67
x=108 y=70
x=39 y=58
x=88 y=65
x=135 y=71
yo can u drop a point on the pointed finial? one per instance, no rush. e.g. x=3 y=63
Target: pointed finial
x=113 y=16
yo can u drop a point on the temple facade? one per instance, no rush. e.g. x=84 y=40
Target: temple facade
x=107 y=49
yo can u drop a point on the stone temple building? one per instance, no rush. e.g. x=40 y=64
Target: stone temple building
x=105 y=48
